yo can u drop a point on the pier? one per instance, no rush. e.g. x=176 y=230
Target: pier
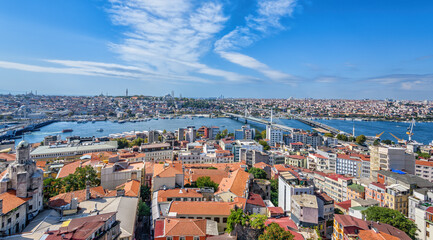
x=20 y=129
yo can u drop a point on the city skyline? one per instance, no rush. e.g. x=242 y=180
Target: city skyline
x=264 y=48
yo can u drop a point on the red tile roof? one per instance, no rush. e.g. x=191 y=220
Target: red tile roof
x=66 y=198
x=345 y=204
x=255 y=199
x=131 y=188
x=11 y=201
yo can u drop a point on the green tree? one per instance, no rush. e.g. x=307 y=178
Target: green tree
x=274 y=191
x=164 y=131
x=145 y=193
x=391 y=217
x=236 y=217
x=122 y=143
x=274 y=232
x=386 y=141
x=258 y=173
x=361 y=139
x=257 y=221
x=423 y=155
x=342 y=137
x=263 y=134
x=137 y=142
x=329 y=135
x=206 y=182
x=143 y=209
x=338 y=211
x=376 y=142
x=265 y=145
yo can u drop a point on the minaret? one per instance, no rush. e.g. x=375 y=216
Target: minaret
x=126 y=92
x=271 y=116
x=353 y=130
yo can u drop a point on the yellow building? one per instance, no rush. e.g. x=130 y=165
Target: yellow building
x=396 y=197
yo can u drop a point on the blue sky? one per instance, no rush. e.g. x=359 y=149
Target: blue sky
x=240 y=48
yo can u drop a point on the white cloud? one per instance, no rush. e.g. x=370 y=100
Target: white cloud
x=266 y=19
x=249 y=62
x=406 y=81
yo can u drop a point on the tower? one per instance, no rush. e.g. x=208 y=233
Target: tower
x=126 y=92
x=353 y=130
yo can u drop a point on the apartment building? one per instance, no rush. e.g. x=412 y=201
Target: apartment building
x=355 y=191
x=290 y=185
x=423 y=219
x=335 y=185
x=424 y=169
x=350 y=228
x=274 y=135
x=296 y=161
x=113 y=175
x=330 y=155
x=167 y=176
x=387 y=158
x=396 y=197
x=157 y=152
x=305 y=211
x=317 y=162
x=348 y=165
x=376 y=191
x=252 y=157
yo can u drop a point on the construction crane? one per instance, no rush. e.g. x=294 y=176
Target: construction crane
x=410 y=130
x=398 y=139
x=380 y=134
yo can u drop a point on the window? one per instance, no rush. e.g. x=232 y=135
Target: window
x=224 y=220
x=169 y=238
x=181 y=238
x=196 y=238
x=18 y=215
x=216 y=219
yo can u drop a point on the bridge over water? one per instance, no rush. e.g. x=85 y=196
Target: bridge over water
x=283 y=127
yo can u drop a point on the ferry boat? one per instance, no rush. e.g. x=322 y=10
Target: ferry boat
x=100 y=130
x=67 y=130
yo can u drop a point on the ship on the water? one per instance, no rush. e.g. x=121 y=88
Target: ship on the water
x=67 y=130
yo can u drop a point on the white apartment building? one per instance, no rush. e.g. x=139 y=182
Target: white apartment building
x=424 y=169
x=288 y=186
x=274 y=135
x=331 y=156
x=348 y=165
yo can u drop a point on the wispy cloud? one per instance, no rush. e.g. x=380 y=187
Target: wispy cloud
x=166 y=41
x=406 y=81
x=266 y=20
x=327 y=79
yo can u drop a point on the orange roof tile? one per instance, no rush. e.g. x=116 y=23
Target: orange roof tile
x=70 y=168
x=372 y=235
x=235 y=183
x=11 y=201
x=7 y=157
x=66 y=198
x=167 y=170
x=132 y=188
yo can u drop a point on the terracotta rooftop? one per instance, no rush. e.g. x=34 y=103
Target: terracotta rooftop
x=11 y=201
x=180 y=227
x=66 y=198
x=70 y=168
x=236 y=183
x=167 y=170
x=131 y=188
x=255 y=199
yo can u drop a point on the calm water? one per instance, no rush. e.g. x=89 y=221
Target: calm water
x=423 y=131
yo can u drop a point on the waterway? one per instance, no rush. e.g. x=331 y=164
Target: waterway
x=423 y=132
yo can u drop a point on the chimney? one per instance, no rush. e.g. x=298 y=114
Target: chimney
x=120 y=192
x=88 y=191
